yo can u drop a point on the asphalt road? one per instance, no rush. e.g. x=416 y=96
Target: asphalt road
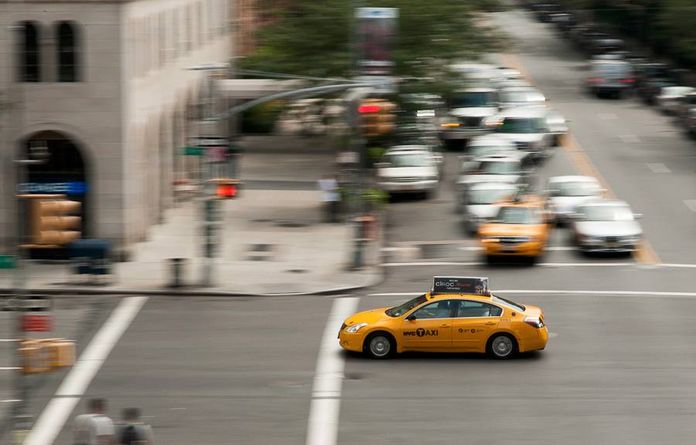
x=620 y=366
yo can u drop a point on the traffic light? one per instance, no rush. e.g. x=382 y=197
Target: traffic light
x=47 y=354
x=226 y=188
x=376 y=117
x=52 y=220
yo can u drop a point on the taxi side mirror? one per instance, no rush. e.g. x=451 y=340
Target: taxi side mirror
x=411 y=317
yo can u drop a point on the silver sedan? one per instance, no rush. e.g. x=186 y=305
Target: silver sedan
x=606 y=226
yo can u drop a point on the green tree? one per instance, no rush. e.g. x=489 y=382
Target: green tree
x=312 y=37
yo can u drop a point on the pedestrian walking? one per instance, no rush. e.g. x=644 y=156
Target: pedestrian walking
x=132 y=430
x=330 y=197
x=94 y=427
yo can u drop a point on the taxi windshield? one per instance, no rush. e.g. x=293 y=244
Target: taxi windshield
x=521 y=125
x=498 y=168
x=489 y=196
x=398 y=311
x=518 y=215
x=577 y=189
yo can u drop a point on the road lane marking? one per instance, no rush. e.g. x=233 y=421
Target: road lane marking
x=10 y=401
x=629 y=139
x=658 y=167
x=475 y=263
x=9 y=368
x=645 y=254
x=546 y=292
x=70 y=391
x=691 y=204
x=322 y=426
x=8 y=340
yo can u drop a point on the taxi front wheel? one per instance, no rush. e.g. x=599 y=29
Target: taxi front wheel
x=379 y=345
x=501 y=346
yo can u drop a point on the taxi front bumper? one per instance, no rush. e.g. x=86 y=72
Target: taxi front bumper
x=523 y=248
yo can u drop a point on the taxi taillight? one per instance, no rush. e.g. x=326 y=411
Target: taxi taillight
x=535 y=322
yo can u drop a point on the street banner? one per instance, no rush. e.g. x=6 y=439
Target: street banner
x=375 y=38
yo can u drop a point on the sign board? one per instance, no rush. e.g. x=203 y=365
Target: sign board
x=7 y=262
x=376 y=35
x=460 y=285
x=74 y=188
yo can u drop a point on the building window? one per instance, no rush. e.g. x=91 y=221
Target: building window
x=68 y=52
x=29 y=52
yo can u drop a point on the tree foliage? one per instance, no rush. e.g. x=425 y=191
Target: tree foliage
x=312 y=37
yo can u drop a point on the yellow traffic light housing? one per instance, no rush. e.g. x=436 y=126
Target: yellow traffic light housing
x=48 y=354
x=52 y=220
x=376 y=117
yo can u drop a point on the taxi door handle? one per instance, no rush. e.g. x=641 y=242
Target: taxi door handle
x=490 y=323
x=444 y=325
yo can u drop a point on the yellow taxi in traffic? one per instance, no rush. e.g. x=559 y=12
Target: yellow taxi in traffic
x=521 y=228
x=450 y=318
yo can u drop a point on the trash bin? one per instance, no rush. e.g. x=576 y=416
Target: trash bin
x=177 y=272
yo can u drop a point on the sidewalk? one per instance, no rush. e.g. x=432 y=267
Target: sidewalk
x=272 y=242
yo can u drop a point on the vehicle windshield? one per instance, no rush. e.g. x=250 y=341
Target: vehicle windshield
x=611 y=70
x=518 y=215
x=498 y=168
x=398 y=311
x=478 y=151
x=489 y=196
x=575 y=189
x=606 y=213
x=520 y=96
x=408 y=160
x=521 y=125
x=473 y=99
x=508 y=303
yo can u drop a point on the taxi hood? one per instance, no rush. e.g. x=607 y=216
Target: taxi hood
x=369 y=317
x=497 y=229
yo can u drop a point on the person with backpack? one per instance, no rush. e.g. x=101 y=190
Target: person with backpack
x=94 y=427
x=132 y=430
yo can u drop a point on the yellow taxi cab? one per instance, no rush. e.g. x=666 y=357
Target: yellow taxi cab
x=459 y=314
x=520 y=228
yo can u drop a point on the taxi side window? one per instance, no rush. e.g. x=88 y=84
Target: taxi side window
x=469 y=308
x=439 y=309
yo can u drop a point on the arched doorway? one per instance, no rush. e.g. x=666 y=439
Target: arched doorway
x=64 y=171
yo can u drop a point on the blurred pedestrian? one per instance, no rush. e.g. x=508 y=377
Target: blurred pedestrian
x=330 y=197
x=132 y=430
x=94 y=427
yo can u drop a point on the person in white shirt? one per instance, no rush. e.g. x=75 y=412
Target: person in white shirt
x=330 y=197
x=94 y=427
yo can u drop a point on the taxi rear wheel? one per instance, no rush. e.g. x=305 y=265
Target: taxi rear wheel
x=379 y=345
x=501 y=346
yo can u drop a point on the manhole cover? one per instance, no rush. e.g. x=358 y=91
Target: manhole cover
x=291 y=224
x=297 y=270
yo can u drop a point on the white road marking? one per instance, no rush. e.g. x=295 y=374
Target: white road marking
x=322 y=427
x=8 y=340
x=543 y=292
x=691 y=204
x=607 y=116
x=474 y=263
x=658 y=167
x=8 y=368
x=629 y=139
x=10 y=401
x=75 y=384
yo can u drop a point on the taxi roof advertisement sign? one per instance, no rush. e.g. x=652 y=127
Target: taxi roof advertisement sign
x=460 y=285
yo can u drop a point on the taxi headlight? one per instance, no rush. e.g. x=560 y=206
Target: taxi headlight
x=355 y=328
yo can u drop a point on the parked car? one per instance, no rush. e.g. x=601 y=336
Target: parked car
x=685 y=105
x=480 y=202
x=606 y=226
x=565 y=193
x=407 y=171
x=669 y=98
x=609 y=77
